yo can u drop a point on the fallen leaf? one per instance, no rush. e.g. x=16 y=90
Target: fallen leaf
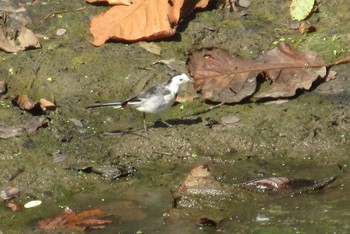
x=75 y=221
x=276 y=185
x=306 y=27
x=150 y=47
x=14 y=36
x=221 y=77
x=304 y=69
x=32 y=125
x=143 y=20
x=11 y=131
x=23 y=102
x=13 y=206
x=47 y=105
x=16 y=130
x=300 y=9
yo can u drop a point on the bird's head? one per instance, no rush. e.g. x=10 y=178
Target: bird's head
x=180 y=79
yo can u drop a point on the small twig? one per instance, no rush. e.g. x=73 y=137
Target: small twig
x=206 y=110
x=61 y=12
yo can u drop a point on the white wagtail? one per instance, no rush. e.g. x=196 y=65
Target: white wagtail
x=152 y=100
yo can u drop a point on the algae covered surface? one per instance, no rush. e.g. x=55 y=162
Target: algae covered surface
x=129 y=174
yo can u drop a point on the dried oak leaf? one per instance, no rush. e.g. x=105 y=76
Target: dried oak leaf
x=143 y=20
x=75 y=221
x=221 y=77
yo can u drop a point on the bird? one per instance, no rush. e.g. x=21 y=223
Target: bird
x=152 y=100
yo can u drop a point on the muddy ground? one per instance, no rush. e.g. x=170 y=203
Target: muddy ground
x=308 y=136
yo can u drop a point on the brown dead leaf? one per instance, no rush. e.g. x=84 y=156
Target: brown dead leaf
x=30 y=127
x=23 y=102
x=293 y=70
x=14 y=207
x=222 y=77
x=47 y=105
x=143 y=20
x=219 y=76
x=306 y=27
x=14 y=36
x=75 y=221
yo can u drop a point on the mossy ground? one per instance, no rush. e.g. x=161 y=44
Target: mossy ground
x=306 y=137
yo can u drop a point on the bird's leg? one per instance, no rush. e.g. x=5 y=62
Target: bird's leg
x=144 y=121
x=163 y=121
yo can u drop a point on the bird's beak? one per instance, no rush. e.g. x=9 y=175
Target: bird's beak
x=191 y=80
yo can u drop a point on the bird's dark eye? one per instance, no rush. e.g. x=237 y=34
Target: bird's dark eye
x=181 y=79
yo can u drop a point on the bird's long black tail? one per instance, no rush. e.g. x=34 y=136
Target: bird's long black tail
x=104 y=104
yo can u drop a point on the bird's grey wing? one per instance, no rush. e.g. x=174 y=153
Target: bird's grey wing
x=157 y=90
